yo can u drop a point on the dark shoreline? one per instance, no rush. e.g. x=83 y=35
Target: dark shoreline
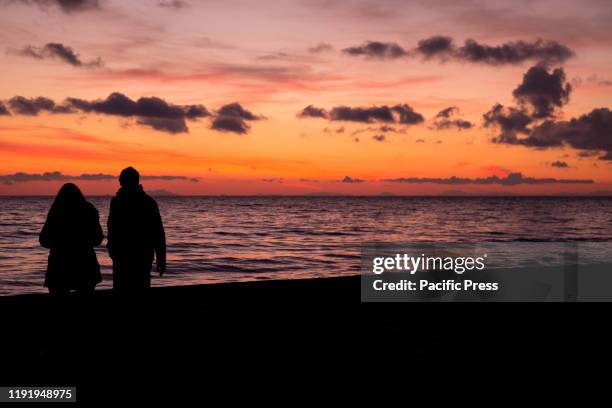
x=327 y=289
x=263 y=332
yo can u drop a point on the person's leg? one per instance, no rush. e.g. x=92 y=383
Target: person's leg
x=86 y=290
x=57 y=291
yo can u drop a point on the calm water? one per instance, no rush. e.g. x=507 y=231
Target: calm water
x=220 y=239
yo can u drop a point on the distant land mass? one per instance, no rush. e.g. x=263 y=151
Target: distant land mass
x=460 y=193
x=324 y=194
x=602 y=193
x=161 y=193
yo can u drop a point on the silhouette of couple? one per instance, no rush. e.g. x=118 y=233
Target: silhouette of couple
x=135 y=236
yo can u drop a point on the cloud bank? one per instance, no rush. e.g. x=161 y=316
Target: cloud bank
x=534 y=124
x=21 y=177
x=377 y=49
x=400 y=114
x=511 y=179
x=443 y=48
x=591 y=132
x=151 y=111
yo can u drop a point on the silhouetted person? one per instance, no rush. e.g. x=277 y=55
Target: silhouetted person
x=135 y=235
x=71 y=232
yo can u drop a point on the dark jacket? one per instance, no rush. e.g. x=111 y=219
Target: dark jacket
x=71 y=234
x=135 y=235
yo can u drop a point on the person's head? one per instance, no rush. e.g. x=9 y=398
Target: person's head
x=69 y=196
x=129 y=177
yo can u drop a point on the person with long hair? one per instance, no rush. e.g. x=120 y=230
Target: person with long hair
x=71 y=232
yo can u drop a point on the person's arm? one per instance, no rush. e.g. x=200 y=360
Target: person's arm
x=98 y=234
x=160 y=242
x=110 y=229
x=45 y=235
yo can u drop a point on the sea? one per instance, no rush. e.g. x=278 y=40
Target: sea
x=228 y=239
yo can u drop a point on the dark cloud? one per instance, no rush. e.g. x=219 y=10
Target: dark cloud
x=385 y=128
x=67 y=6
x=33 y=106
x=458 y=124
x=533 y=123
x=75 y=5
x=560 y=164
x=21 y=177
x=236 y=110
x=379 y=138
x=407 y=115
x=195 y=111
x=444 y=49
x=514 y=52
x=230 y=124
x=232 y=118
x=170 y=178
x=511 y=121
x=173 y=4
x=149 y=111
x=60 y=52
x=320 y=48
x=121 y=105
x=366 y=115
x=313 y=112
x=591 y=132
x=377 y=49
x=443 y=120
x=448 y=112
x=511 y=179
x=351 y=180
x=401 y=114
x=3 y=110
x=587 y=154
x=436 y=46
x=543 y=90
x=165 y=124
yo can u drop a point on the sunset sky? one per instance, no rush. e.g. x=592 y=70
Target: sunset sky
x=303 y=97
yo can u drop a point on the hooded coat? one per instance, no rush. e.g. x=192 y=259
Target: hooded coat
x=135 y=235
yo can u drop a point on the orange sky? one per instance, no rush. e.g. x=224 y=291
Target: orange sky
x=216 y=53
